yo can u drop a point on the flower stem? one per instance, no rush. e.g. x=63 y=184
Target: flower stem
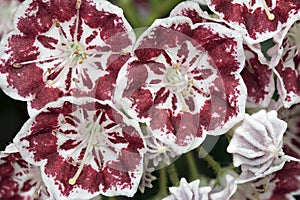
x=163 y=182
x=173 y=174
x=203 y=153
x=194 y=174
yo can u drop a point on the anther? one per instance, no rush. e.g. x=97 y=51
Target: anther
x=270 y=16
x=56 y=23
x=17 y=65
x=78 y=4
x=75 y=80
x=50 y=82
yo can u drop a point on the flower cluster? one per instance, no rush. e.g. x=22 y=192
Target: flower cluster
x=108 y=108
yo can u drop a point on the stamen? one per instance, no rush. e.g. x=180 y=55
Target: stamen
x=92 y=132
x=270 y=16
x=93 y=129
x=61 y=73
x=56 y=23
x=19 y=65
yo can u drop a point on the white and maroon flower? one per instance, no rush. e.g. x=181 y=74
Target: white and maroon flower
x=188 y=191
x=257 y=144
x=7 y=11
x=286 y=58
x=19 y=179
x=85 y=148
x=259 y=79
x=257 y=20
x=184 y=81
x=281 y=185
x=64 y=48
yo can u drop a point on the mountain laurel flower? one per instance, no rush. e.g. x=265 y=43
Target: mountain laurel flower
x=257 y=144
x=64 y=48
x=85 y=147
x=285 y=58
x=20 y=179
x=188 y=191
x=185 y=86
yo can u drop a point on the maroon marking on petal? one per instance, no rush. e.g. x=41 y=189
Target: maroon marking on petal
x=157 y=68
x=160 y=118
x=133 y=138
x=45 y=122
x=287 y=181
x=106 y=84
x=190 y=103
x=27 y=186
x=183 y=126
x=193 y=15
x=183 y=52
x=257 y=78
x=91 y=37
x=202 y=74
x=69 y=144
x=6 y=170
x=161 y=96
x=42 y=144
x=61 y=171
x=256 y=21
x=142 y=99
x=62 y=10
x=21 y=49
x=86 y=79
x=188 y=125
x=146 y=54
x=115 y=62
x=174 y=102
x=105 y=87
x=9 y=189
x=137 y=75
x=44 y=96
x=128 y=161
x=115 y=179
x=47 y=42
x=290 y=78
x=36 y=23
x=72 y=29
